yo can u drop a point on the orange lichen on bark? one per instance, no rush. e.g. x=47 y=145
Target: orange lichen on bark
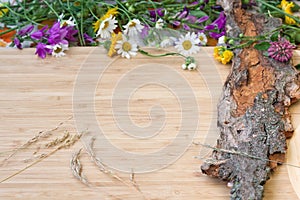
x=260 y=79
x=276 y=159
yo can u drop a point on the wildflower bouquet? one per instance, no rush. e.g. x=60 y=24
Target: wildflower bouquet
x=125 y=27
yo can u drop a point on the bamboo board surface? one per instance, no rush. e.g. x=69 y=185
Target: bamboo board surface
x=37 y=95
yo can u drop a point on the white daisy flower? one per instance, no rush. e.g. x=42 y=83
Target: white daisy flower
x=58 y=49
x=192 y=66
x=222 y=40
x=203 y=39
x=183 y=66
x=159 y=23
x=167 y=42
x=126 y=48
x=63 y=22
x=133 y=28
x=187 y=44
x=106 y=27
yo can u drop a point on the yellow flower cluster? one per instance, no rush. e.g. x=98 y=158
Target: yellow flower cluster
x=111 y=11
x=287 y=8
x=3 y=11
x=114 y=39
x=222 y=54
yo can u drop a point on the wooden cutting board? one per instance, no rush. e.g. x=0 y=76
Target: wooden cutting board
x=38 y=95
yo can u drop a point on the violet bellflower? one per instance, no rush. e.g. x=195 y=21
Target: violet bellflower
x=57 y=34
x=88 y=39
x=71 y=32
x=155 y=14
x=39 y=34
x=282 y=50
x=26 y=30
x=42 y=50
x=217 y=28
x=180 y=16
x=17 y=43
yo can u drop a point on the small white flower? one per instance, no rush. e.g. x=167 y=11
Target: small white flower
x=58 y=49
x=192 y=66
x=187 y=44
x=133 y=28
x=203 y=39
x=159 y=23
x=106 y=27
x=69 y=22
x=126 y=48
x=183 y=66
x=222 y=40
x=170 y=41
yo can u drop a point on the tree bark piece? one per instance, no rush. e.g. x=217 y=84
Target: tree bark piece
x=253 y=116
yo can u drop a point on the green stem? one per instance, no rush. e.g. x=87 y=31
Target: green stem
x=9 y=30
x=159 y=55
x=248 y=43
x=51 y=8
x=279 y=10
x=82 y=42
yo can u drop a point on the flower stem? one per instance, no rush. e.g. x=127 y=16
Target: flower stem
x=160 y=55
x=279 y=10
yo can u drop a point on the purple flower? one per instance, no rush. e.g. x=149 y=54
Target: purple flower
x=217 y=28
x=145 y=31
x=25 y=30
x=42 y=50
x=220 y=21
x=191 y=19
x=183 y=14
x=88 y=39
x=155 y=14
x=210 y=27
x=176 y=23
x=186 y=27
x=57 y=34
x=217 y=35
x=70 y=33
x=17 y=43
x=39 y=34
x=281 y=50
x=202 y=19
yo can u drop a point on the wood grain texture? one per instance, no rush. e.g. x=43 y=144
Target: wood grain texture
x=36 y=95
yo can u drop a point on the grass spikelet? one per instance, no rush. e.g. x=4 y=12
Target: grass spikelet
x=76 y=167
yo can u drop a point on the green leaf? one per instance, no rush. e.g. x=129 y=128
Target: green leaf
x=262 y=46
x=274 y=36
x=297 y=38
x=297 y=66
x=197 y=13
x=295 y=8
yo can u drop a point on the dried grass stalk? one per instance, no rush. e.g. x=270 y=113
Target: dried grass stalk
x=71 y=140
x=57 y=141
x=76 y=167
x=105 y=170
x=36 y=138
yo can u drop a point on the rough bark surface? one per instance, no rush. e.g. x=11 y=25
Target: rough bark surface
x=253 y=116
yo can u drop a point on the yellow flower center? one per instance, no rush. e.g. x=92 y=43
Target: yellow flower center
x=132 y=24
x=58 y=50
x=126 y=46
x=106 y=23
x=201 y=38
x=187 y=45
